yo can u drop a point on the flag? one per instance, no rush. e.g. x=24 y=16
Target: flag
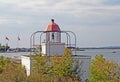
x=7 y=38
x=18 y=38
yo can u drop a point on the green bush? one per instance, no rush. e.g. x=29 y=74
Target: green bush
x=1 y=69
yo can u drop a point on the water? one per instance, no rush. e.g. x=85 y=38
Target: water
x=14 y=54
x=111 y=54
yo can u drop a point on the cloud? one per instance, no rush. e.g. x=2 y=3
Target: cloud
x=6 y=21
x=87 y=11
x=73 y=7
x=47 y=5
x=86 y=17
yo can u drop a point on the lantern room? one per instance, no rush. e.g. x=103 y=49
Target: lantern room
x=53 y=32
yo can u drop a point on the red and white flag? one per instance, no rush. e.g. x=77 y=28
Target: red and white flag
x=18 y=38
x=6 y=38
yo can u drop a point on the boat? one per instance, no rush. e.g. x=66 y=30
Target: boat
x=81 y=50
x=114 y=52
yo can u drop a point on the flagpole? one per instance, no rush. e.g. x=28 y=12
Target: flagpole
x=18 y=44
x=6 y=43
x=18 y=39
x=6 y=46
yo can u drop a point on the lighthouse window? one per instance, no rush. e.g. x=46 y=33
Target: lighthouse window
x=52 y=35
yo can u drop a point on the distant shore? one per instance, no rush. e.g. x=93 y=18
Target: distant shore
x=101 y=48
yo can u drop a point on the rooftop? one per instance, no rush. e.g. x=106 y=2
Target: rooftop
x=52 y=27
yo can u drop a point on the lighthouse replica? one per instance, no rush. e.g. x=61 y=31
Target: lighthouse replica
x=52 y=44
x=50 y=40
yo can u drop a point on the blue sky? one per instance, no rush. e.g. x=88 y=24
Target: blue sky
x=95 y=22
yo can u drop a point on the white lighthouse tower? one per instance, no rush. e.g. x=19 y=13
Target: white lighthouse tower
x=53 y=44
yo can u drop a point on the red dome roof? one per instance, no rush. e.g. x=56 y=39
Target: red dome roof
x=52 y=27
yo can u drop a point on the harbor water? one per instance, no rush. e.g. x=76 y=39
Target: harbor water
x=111 y=54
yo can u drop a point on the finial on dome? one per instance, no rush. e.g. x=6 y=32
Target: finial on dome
x=52 y=20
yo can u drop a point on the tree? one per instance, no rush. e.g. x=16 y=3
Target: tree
x=11 y=72
x=55 y=68
x=45 y=69
x=39 y=65
x=61 y=65
x=103 y=70
x=38 y=49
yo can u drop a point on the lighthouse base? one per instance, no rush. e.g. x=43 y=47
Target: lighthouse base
x=53 y=48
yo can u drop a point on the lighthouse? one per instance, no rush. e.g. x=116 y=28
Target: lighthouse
x=51 y=41
x=53 y=44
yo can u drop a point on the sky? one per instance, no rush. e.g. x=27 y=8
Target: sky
x=96 y=23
